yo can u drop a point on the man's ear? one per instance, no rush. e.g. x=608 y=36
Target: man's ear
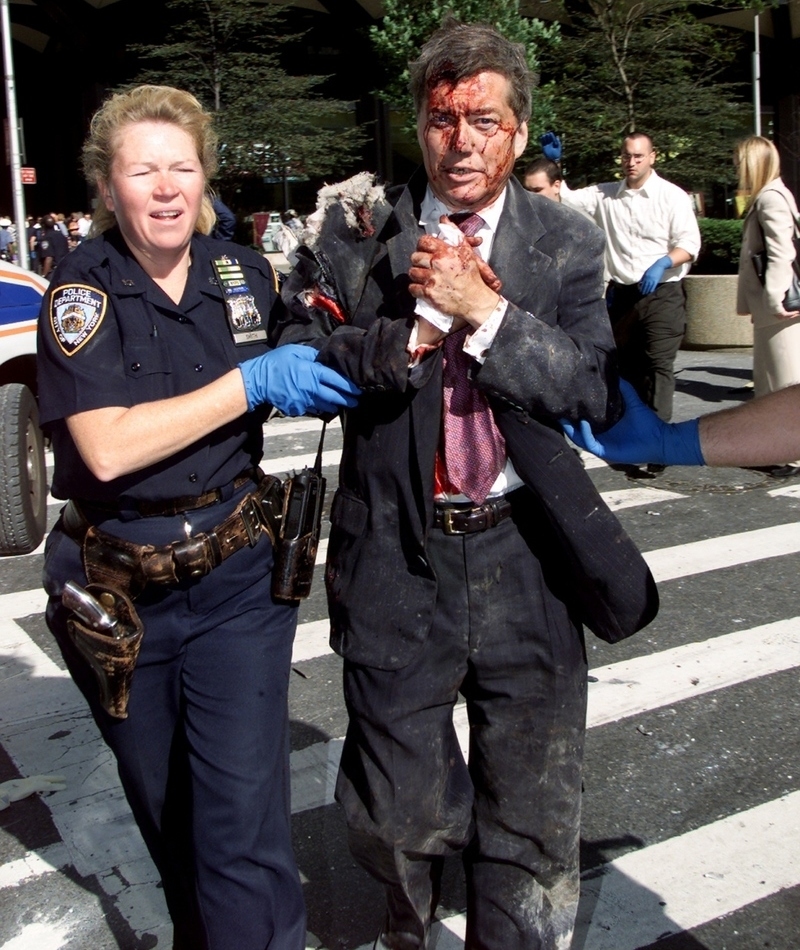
x=520 y=139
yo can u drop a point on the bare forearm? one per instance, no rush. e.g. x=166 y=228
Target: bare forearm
x=114 y=441
x=678 y=256
x=765 y=431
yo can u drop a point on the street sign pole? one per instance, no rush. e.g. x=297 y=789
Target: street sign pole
x=13 y=135
x=757 y=76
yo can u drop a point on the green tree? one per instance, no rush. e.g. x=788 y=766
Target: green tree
x=270 y=123
x=651 y=67
x=407 y=24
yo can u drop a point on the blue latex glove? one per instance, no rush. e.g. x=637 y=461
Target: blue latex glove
x=291 y=380
x=652 y=276
x=640 y=436
x=551 y=146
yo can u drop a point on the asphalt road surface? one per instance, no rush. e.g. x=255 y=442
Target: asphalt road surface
x=691 y=827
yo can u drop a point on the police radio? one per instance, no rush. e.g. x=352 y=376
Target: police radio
x=296 y=548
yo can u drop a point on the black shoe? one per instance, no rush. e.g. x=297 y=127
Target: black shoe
x=634 y=472
x=655 y=469
x=396 y=941
x=782 y=471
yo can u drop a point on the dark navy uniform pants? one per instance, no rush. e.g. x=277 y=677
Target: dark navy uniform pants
x=648 y=332
x=504 y=640
x=203 y=755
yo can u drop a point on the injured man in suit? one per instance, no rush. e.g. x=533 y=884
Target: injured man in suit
x=468 y=547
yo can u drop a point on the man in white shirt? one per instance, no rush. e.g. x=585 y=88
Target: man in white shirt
x=543 y=177
x=653 y=237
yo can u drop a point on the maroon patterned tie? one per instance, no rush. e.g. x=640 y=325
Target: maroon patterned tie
x=474 y=449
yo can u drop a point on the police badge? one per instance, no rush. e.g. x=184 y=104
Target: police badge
x=76 y=311
x=244 y=319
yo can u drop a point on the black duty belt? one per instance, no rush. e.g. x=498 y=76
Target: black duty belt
x=456 y=519
x=169 y=507
x=127 y=566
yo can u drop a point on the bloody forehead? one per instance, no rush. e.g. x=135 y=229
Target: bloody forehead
x=463 y=95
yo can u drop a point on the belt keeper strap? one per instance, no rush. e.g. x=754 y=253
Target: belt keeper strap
x=192 y=557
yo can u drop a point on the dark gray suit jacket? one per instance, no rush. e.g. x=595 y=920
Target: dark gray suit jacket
x=552 y=358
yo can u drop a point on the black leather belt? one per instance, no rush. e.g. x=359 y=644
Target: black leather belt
x=456 y=519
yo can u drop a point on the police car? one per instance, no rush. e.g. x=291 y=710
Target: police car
x=23 y=476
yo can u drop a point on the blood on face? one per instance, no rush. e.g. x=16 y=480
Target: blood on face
x=470 y=139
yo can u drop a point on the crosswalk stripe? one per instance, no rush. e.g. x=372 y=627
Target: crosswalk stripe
x=666 y=564
x=280 y=427
x=40 y=935
x=624 y=689
x=628 y=688
x=634 y=686
x=22 y=603
x=712 y=554
x=680 y=883
x=311 y=640
x=634 y=497
x=693 y=878
x=294 y=463
x=34 y=864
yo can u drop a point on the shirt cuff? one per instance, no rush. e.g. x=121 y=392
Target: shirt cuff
x=418 y=351
x=477 y=344
x=441 y=321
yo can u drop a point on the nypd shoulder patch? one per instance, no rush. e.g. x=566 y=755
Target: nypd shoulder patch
x=76 y=311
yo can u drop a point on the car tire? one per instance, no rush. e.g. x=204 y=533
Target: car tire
x=23 y=476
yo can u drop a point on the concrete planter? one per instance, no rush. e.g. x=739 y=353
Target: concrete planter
x=711 y=318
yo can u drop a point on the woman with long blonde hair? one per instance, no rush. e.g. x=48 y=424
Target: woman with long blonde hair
x=767 y=236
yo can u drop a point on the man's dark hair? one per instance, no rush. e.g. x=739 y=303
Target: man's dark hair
x=639 y=135
x=457 y=51
x=48 y=222
x=545 y=165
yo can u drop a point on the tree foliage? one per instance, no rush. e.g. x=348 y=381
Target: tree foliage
x=270 y=123
x=407 y=24
x=626 y=65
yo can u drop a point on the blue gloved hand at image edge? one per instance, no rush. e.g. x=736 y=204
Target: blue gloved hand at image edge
x=652 y=276
x=551 y=146
x=291 y=379
x=640 y=436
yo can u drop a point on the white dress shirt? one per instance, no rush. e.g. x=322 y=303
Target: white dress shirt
x=641 y=224
x=478 y=342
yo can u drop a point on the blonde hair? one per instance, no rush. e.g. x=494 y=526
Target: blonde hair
x=759 y=164
x=147 y=104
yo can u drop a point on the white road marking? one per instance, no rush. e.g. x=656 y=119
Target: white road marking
x=788 y=491
x=294 y=463
x=311 y=640
x=693 y=878
x=680 y=883
x=632 y=687
x=38 y=701
x=712 y=554
x=636 y=497
x=34 y=864
x=41 y=936
x=291 y=426
x=624 y=689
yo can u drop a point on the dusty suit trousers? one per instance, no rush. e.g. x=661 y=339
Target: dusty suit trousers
x=505 y=641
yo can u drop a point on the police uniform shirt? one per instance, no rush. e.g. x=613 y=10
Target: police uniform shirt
x=52 y=243
x=109 y=336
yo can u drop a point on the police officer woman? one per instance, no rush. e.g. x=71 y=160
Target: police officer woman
x=154 y=382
